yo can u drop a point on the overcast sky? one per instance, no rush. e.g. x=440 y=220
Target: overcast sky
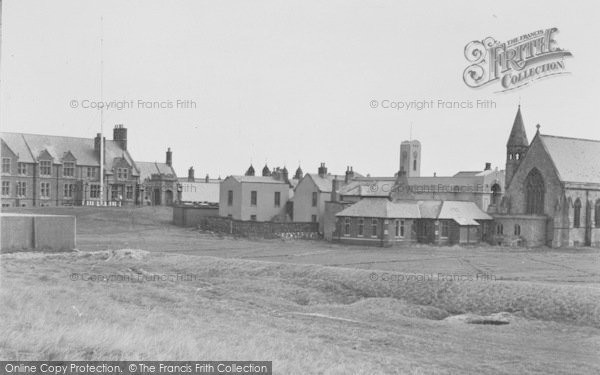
x=290 y=82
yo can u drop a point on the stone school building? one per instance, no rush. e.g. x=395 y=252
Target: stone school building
x=552 y=194
x=46 y=170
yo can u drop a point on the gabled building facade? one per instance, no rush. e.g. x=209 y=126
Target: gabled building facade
x=45 y=170
x=553 y=191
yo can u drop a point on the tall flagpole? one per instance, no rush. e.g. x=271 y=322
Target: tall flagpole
x=102 y=111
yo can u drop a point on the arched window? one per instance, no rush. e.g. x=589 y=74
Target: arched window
x=597 y=214
x=496 y=190
x=534 y=193
x=509 y=156
x=517 y=156
x=577 y=213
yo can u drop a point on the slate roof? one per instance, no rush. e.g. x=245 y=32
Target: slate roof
x=464 y=213
x=323 y=183
x=576 y=160
x=29 y=147
x=147 y=169
x=518 y=136
x=257 y=179
x=382 y=208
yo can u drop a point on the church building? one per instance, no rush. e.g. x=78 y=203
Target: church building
x=552 y=194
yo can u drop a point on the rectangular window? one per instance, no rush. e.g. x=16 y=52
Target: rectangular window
x=444 y=229
x=45 y=190
x=22 y=168
x=399 y=228
x=129 y=192
x=6 y=165
x=347 y=226
x=253 y=217
x=122 y=173
x=114 y=192
x=253 y=198
x=230 y=198
x=277 y=199
x=91 y=172
x=94 y=191
x=374 y=228
x=68 y=191
x=5 y=188
x=314 y=199
x=21 y=189
x=361 y=226
x=45 y=168
x=69 y=169
x=313 y=218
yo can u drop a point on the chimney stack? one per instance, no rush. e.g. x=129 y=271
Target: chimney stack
x=207 y=179
x=488 y=166
x=322 y=170
x=120 y=136
x=191 y=177
x=169 y=157
x=334 y=190
x=349 y=174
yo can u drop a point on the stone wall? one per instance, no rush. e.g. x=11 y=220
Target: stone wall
x=23 y=232
x=192 y=216
x=260 y=229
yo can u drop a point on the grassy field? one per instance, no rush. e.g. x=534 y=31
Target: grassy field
x=310 y=307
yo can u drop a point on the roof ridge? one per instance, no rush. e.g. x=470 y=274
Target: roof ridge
x=51 y=135
x=573 y=138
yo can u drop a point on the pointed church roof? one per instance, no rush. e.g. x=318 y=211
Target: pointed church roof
x=518 y=136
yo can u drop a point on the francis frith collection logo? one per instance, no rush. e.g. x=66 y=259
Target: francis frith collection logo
x=516 y=62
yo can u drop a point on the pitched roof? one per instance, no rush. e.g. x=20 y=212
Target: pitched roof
x=464 y=213
x=576 y=160
x=323 y=183
x=518 y=136
x=30 y=146
x=257 y=179
x=382 y=208
x=147 y=169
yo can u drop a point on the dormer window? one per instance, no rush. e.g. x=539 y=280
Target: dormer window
x=45 y=168
x=122 y=173
x=69 y=169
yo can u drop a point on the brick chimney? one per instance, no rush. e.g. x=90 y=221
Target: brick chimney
x=120 y=136
x=207 y=179
x=169 y=157
x=349 y=174
x=488 y=167
x=322 y=170
x=334 y=190
x=191 y=177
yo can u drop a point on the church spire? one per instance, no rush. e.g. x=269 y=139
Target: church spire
x=518 y=136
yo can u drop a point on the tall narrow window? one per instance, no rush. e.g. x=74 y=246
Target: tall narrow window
x=374 y=228
x=21 y=189
x=5 y=188
x=347 y=226
x=577 y=214
x=397 y=228
x=94 y=191
x=597 y=213
x=499 y=229
x=534 y=193
x=129 y=192
x=230 y=197
x=496 y=190
x=68 y=169
x=22 y=168
x=517 y=230
x=277 y=199
x=45 y=190
x=6 y=165
x=415 y=165
x=401 y=228
x=253 y=198
x=361 y=226
x=314 y=199
x=68 y=193
x=445 y=230
x=45 y=168
x=313 y=218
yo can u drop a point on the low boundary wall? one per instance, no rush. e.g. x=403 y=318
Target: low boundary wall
x=261 y=229
x=28 y=232
x=192 y=216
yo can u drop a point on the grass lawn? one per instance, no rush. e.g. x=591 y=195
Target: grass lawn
x=310 y=307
